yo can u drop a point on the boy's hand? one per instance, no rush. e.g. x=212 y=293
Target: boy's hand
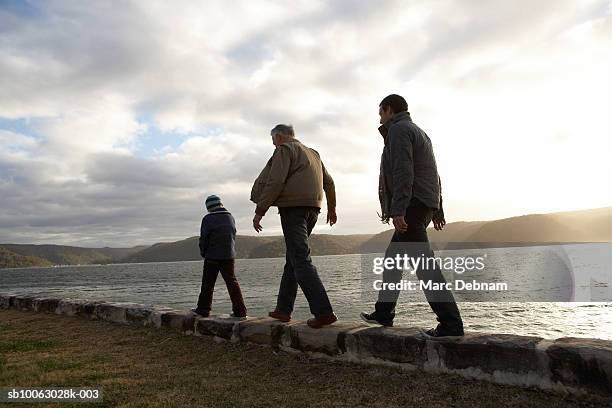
x=256 y=222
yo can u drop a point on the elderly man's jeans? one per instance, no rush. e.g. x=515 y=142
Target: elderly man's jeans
x=417 y=244
x=209 y=277
x=297 y=223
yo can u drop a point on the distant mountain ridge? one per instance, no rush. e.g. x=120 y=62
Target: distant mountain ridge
x=10 y=259
x=69 y=255
x=250 y=247
x=563 y=227
x=188 y=250
x=574 y=226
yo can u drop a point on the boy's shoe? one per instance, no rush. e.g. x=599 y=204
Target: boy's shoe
x=324 y=320
x=200 y=313
x=240 y=317
x=283 y=317
x=440 y=334
x=372 y=319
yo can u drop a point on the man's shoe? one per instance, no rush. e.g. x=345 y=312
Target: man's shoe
x=324 y=320
x=280 y=316
x=200 y=313
x=372 y=319
x=238 y=317
x=439 y=334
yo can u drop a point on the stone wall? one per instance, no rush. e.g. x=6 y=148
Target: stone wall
x=567 y=365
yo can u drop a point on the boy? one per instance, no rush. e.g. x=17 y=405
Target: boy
x=217 y=241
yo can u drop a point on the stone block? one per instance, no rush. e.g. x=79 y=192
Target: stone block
x=110 y=312
x=69 y=307
x=87 y=309
x=327 y=340
x=45 y=305
x=23 y=302
x=261 y=331
x=155 y=318
x=138 y=314
x=215 y=326
x=77 y=307
x=391 y=344
x=6 y=300
x=490 y=353
x=181 y=321
x=584 y=364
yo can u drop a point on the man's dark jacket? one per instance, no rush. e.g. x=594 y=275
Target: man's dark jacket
x=218 y=235
x=408 y=171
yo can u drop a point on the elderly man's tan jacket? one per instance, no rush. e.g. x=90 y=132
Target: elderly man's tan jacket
x=294 y=176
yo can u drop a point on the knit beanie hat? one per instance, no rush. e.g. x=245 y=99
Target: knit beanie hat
x=212 y=202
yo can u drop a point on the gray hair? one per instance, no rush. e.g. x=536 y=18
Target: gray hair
x=286 y=130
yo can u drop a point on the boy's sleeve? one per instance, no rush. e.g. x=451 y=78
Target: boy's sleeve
x=203 y=241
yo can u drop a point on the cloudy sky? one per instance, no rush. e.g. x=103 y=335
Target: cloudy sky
x=118 y=118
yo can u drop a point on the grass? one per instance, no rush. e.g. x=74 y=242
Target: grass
x=140 y=367
x=22 y=346
x=51 y=364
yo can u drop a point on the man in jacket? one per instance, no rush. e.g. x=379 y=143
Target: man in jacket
x=294 y=180
x=217 y=247
x=410 y=194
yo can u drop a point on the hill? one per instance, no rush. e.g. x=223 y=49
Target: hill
x=573 y=226
x=563 y=227
x=187 y=249
x=320 y=244
x=9 y=259
x=70 y=255
x=249 y=247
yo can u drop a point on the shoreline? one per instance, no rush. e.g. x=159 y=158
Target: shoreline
x=403 y=320
x=448 y=246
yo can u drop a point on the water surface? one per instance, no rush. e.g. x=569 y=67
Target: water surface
x=176 y=284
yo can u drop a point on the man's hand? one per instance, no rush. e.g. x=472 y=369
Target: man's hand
x=400 y=223
x=256 y=222
x=332 y=218
x=438 y=220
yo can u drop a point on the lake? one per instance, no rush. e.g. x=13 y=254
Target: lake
x=176 y=284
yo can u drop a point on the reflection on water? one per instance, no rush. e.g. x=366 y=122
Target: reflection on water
x=176 y=284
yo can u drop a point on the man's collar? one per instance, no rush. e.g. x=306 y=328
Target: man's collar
x=397 y=117
x=384 y=128
x=383 y=131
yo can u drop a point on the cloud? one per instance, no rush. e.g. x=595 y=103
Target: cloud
x=135 y=113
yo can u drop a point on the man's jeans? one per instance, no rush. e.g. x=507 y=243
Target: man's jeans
x=209 y=277
x=297 y=223
x=416 y=245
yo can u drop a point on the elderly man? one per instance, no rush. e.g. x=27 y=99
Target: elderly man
x=294 y=180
